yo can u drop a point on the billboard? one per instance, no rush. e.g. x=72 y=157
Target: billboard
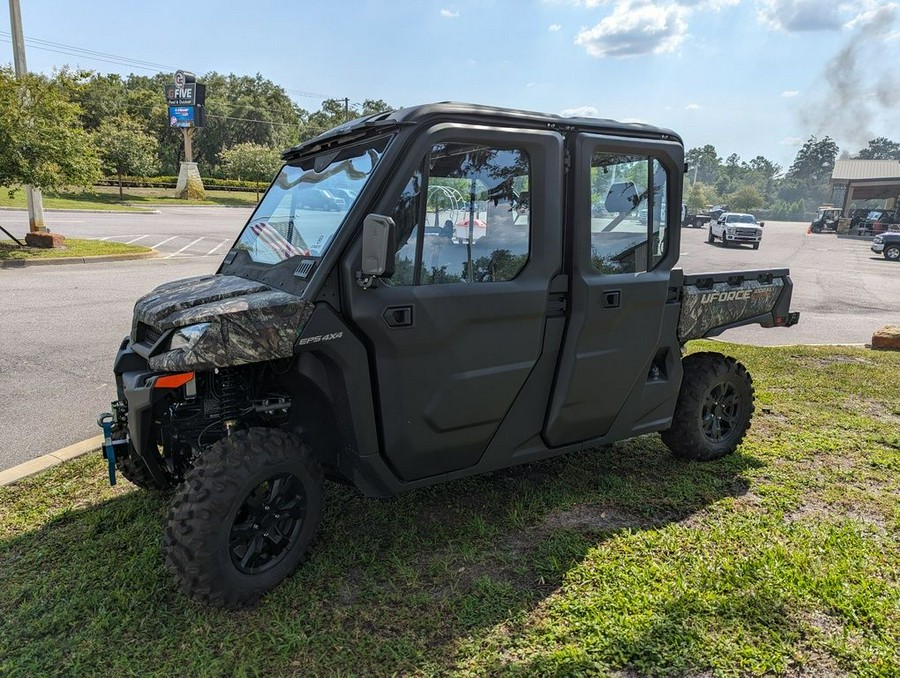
x=181 y=116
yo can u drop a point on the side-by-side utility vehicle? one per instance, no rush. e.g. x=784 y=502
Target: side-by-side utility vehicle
x=377 y=346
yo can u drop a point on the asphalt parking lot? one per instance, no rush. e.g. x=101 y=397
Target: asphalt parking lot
x=60 y=326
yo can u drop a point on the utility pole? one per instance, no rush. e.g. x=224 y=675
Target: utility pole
x=32 y=195
x=346 y=106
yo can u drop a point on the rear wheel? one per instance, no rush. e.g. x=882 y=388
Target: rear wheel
x=714 y=408
x=244 y=518
x=892 y=252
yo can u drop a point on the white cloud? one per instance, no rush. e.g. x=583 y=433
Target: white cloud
x=580 y=112
x=821 y=15
x=553 y=28
x=791 y=141
x=789 y=93
x=693 y=107
x=450 y=13
x=635 y=28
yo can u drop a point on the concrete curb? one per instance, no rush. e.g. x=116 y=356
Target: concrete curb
x=29 y=468
x=21 y=263
x=136 y=210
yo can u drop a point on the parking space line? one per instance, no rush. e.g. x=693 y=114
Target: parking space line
x=140 y=237
x=164 y=241
x=191 y=244
x=108 y=237
x=213 y=250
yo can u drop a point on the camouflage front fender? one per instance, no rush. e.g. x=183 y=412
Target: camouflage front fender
x=248 y=321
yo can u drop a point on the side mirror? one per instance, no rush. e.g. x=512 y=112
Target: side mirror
x=378 y=246
x=762 y=224
x=622 y=197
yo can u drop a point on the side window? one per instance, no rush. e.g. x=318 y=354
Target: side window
x=628 y=212
x=476 y=218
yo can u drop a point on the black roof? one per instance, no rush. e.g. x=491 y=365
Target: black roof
x=416 y=115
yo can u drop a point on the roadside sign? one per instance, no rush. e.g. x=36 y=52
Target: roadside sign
x=181 y=116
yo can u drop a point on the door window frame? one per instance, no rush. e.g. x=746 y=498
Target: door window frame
x=670 y=154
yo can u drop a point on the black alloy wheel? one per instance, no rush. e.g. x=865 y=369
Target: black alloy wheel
x=267 y=523
x=720 y=415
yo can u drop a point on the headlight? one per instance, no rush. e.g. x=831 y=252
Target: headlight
x=878 y=239
x=185 y=338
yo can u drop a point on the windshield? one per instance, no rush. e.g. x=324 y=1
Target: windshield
x=308 y=202
x=740 y=219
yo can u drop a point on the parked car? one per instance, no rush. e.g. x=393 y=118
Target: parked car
x=888 y=245
x=348 y=195
x=321 y=199
x=737 y=228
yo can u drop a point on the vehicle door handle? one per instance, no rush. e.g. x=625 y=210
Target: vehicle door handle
x=399 y=316
x=610 y=299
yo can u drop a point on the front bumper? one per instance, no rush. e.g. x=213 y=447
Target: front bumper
x=135 y=383
x=743 y=238
x=878 y=247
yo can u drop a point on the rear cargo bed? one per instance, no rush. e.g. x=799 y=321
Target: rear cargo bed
x=714 y=302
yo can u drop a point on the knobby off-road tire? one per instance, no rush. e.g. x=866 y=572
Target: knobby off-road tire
x=714 y=408
x=244 y=518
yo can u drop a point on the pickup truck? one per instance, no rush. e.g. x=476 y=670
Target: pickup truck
x=349 y=346
x=734 y=228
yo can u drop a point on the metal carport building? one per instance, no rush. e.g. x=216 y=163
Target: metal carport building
x=854 y=180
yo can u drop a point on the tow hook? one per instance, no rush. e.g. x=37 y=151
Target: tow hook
x=105 y=421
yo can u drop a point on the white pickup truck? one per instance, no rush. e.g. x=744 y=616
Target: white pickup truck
x=734 y=227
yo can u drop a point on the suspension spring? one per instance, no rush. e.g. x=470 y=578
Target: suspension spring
x=229 y=393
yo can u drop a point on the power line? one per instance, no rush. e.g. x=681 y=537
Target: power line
x=94 y=55
x=71 y=50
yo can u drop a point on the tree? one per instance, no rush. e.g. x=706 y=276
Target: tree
x=124 y=148
x=251 y=162
x=745 y=199
x=880 y=148
x=42 y=142
x=245 y=109
x=697 y=197
x=814 y=162
x=703 y=164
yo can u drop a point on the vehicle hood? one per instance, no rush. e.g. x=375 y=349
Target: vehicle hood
x=248 y=321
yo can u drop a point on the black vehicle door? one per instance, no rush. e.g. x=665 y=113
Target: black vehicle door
x=619 y=363
x=454 y=335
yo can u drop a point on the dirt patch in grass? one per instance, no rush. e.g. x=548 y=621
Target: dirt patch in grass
x=875 y=408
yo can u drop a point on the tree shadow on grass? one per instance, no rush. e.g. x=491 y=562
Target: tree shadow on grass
x=396 y=585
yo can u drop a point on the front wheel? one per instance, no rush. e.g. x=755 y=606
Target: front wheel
x=892 y=252
x=244 y=518
x=710 y=238
x=714 y=408
x=756 y=245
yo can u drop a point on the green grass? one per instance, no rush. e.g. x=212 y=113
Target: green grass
x=9 y=251
x=781 y=559
x=134 y=199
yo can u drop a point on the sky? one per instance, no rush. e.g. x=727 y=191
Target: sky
x=752 y=77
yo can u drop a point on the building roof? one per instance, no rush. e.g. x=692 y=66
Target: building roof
x=862 y=170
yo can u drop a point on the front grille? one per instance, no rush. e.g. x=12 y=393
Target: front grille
x=147 y=335
x=745 y=232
